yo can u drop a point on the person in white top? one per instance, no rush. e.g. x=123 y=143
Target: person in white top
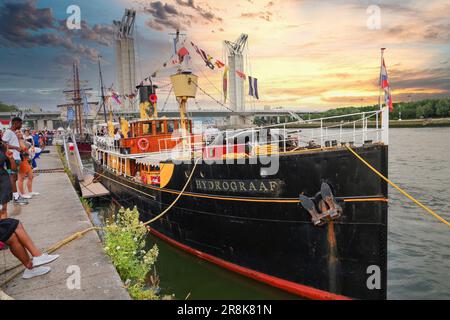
x=12 y=143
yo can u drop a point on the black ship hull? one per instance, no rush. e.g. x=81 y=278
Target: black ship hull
x=253 y=224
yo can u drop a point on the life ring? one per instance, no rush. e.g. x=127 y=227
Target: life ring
x=153 y=98
x=143 y=144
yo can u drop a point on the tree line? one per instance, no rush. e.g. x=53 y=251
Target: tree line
x=429 y=108
x=7 y=107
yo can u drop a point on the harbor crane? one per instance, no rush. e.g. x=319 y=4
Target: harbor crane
x=125 y=28
x=235 y=51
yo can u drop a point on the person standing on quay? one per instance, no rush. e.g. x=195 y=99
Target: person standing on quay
x=12 y=143
x=25 y=169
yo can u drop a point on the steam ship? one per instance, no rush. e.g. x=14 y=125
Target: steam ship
x=284 y=205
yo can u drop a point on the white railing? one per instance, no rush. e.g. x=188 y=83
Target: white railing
x=353 y=129
x=315 y=133
x=107 y=143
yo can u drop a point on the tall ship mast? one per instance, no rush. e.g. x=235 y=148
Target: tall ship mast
x=77 y=109
x=287 y=205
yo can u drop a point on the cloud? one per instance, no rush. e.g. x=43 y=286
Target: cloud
x=24 y=25
x=172 y=16
x=265 y=15
x=100 y=34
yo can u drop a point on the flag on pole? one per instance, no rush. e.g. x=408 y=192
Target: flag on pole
x=384 y=83
x=384 y=76
x=253 y=87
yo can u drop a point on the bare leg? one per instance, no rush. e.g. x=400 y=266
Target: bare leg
x=19 y=251
x=20 y=183
x=4 y=212
x=13 y=179
x=26 y=241
x=30 y=182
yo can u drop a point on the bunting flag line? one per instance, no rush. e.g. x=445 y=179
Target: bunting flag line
x=219 y=64
x=116 y=98
x=206 y=57
x=225 y=84
x=241 y=74
x=253 y=87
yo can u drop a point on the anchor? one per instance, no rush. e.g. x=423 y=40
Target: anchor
x=329 y=209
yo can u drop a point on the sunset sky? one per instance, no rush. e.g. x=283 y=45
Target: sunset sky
x=310 y=55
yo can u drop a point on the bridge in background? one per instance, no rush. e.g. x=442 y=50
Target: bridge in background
x=54 y=119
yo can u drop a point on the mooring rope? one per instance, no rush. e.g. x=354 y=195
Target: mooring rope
x=80 y=234
x=417 y=202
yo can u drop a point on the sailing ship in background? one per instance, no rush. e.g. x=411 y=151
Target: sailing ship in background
x=291 y=208
x=77 y=109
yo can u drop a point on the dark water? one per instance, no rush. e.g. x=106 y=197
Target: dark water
x=418 y=245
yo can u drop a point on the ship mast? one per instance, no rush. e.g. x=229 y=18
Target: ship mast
x=77 y=100
x=184 y=84
x=102 y=89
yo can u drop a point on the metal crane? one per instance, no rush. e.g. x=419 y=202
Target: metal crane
x=235 y=52
x=125 y=28
x=238 y=46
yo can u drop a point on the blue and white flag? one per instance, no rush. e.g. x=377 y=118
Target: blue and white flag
x=70 y=114
x=86 y=108
x=253 y=87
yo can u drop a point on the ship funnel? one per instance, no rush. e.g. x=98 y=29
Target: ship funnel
x=148 y=101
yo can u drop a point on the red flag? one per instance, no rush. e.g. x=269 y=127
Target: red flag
x=220 y=64
x=182 y=53
x=241 y=74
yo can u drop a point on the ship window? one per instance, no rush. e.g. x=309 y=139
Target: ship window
x=149 y=129
x=159 y=127
x=170 y=126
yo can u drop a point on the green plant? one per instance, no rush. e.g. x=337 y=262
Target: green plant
x=87 y=205
x=125 y=244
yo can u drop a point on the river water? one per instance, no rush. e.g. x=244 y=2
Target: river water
x=418 y=244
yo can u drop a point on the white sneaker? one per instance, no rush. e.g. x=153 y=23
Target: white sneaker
x=35 y=272
x=26 y=196
x=34 y=194
x=44 y=259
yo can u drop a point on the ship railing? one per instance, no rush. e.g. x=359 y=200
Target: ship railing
x=363 y=128
x=107 y=143
x=354 y=129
